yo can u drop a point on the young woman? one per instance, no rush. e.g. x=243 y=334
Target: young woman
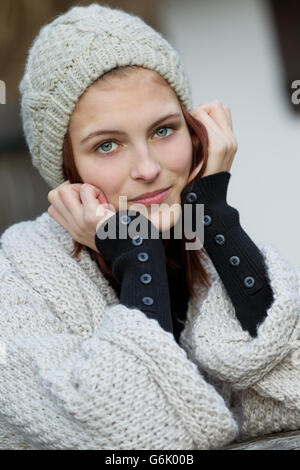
x=136 y=342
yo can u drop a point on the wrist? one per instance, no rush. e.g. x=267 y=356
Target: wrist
x=208 y=188
x=119 y=233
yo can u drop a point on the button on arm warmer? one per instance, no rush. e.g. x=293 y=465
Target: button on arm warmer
x=237 y=259
x=139 y=265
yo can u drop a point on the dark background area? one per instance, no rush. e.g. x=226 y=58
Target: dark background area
x=23 y=193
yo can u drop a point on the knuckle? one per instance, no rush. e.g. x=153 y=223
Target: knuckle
x=61 y=189
x=226 y=142
x=64 y=192
x=51 y=211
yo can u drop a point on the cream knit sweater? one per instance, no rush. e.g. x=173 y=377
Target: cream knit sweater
x=81 y=371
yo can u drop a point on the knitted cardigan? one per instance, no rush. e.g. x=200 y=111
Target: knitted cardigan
x=79 y=370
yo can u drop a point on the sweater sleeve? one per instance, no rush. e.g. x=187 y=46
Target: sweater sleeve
x=127 y=385
x=260 y=376
x=139 y=265
x=237 y=259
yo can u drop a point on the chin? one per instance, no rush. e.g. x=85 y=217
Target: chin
x=166 y=218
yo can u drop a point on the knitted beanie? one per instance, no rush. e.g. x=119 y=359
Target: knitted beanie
x=67 y=56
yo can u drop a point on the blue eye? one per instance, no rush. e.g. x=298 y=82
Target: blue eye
x=164 y=128
x=106 y=145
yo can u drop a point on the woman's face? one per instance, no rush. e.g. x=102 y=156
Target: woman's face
x=118 y=145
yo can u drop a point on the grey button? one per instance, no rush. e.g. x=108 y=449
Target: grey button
x=147 y=300
x=191 y=197
x=207 y=220
x=143 y=256
x=220 y=239
x=146 y=278
x=249 y=281
x=125 y=219
x=137 y=241
x=234 y=260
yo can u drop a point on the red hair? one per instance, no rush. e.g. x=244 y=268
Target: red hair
x=195 y=273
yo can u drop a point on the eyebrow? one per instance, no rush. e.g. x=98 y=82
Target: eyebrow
x=115 y=132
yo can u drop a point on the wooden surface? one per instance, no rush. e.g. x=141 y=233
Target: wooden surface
x=278 y=441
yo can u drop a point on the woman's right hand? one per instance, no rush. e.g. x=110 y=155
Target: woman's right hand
x=80 y=209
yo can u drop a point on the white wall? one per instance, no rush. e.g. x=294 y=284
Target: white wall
x=230 y=53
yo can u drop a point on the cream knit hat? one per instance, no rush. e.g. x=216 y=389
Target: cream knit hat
x=67 y=56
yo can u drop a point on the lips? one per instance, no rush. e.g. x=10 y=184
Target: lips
x=156 y=199
x=148 y=195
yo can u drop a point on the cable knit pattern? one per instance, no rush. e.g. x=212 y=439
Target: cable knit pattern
x=225 y=350
x=79 y=370
x=259 y=378
x=67 y=56
x=83 y=371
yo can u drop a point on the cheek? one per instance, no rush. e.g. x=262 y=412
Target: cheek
x=104 y=176
x=179 y=158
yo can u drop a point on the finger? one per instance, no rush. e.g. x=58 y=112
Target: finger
x=55 y=215
x=101 y=195
x=228 y=114
x=92 y=209
x=89 y=197
x=56 y=202
x=69 y=204
x=207 y=120
x=216 y=111
x=54 y=196
x=76 y=187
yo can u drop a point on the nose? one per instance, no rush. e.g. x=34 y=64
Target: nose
x=145 y=166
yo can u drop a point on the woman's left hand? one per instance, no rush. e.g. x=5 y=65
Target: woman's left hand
x=222 y=143
x=80 y=209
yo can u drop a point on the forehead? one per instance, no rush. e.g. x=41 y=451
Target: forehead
x=137 y=84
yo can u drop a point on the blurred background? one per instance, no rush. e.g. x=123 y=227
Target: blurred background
x=244 y=53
